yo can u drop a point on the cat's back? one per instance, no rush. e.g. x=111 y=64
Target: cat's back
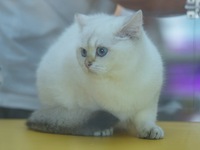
x=63 y=51
x=59 y=64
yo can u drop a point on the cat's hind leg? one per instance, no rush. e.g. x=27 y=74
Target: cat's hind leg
x=60 y=120
x=102 y=122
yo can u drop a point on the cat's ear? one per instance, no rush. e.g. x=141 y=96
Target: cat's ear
x=132 y=27
x=81 y=20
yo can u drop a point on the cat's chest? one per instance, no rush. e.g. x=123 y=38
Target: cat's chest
x=116 y=97
x=120 y=97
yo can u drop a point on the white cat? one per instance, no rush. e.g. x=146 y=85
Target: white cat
x=102 y=73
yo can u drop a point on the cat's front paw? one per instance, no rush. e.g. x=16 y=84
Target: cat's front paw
x=107 y=132
x=154 y=132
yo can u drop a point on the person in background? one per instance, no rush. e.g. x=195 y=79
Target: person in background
x=155 y=8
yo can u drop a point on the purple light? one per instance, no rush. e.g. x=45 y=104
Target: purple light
x=183 y=79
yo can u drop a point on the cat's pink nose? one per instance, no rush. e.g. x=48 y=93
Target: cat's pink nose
x=88 y=64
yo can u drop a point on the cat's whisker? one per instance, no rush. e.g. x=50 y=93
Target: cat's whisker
x=98 y=69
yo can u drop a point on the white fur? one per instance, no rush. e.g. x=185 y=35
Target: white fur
x=125 y=82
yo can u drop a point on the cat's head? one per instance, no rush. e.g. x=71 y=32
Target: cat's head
x=108 y=44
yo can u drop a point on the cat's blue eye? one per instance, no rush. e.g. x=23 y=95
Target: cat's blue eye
x=83 y=52
x=101 y=51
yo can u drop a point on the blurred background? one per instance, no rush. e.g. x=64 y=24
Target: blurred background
x=181 y=53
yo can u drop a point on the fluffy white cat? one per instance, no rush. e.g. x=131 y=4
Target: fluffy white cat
x=102 y=73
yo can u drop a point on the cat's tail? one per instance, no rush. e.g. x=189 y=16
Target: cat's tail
x=60 y=120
